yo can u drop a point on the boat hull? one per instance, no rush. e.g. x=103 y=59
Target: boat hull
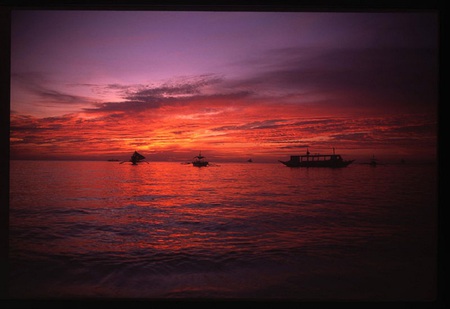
x=199 y=164
x=332 y=164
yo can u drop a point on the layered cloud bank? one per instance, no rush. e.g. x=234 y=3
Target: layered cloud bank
x=243 y=85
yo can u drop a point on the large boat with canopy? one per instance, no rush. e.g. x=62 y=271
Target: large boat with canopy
x=317 y=160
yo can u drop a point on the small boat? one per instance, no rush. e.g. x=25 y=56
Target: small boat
x=317 y=160
x=200 y=161
x=373 y=162
x=250 y=160
x=135 y=159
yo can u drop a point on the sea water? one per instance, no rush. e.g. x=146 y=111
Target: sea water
x=164 y=230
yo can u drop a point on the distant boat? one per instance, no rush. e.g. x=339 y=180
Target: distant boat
x=373 y=162
x=200 y=161
x=250 y=160
x=317 y=160
x=135 y=159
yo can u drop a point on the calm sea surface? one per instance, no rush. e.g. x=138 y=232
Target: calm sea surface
x=232 y=231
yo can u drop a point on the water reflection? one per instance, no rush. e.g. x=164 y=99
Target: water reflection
x=238 y=230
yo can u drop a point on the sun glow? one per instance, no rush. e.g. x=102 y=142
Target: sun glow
x=273 y=94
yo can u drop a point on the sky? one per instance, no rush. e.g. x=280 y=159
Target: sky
x=97 y=85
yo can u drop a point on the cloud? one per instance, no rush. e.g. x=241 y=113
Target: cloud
x=419 y=129
x=176 y=92
x=358 y=76
x=179 y=87
x=69 y=135
x=58 y=97
x=34 y=83
x=356 y=136
x=255 y=125
x=296 y=146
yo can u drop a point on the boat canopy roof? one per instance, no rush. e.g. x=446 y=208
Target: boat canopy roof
x=316 y=156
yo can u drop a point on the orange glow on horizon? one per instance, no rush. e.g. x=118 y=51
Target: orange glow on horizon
x=265 y=131
x=104 y=84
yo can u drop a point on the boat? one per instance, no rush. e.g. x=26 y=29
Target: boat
x=317 y=160
x=373 y=162
x=135 y=159
x=200 y=161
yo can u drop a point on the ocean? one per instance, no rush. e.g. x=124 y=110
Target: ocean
x=233 y=231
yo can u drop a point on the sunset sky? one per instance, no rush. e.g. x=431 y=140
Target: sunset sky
x=235 y=85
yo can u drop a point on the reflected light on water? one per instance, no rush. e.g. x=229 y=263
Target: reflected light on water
x=238 y=230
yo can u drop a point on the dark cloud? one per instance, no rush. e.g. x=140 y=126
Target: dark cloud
x=138 y=144
x=179 y=91
x=322 y=125
x=357 y=136
x=315 y=122
x=179 y=87
x=295 y=146
x=59 y=97
x=127 y=106
x=116 y=87
x=255 y=125
x=34 y=83
x=148 y=101
x=387 y=130
x=176 y=88
x=19 y=123
x=104 y=90
x=35 y=127
x=362 y=76
x=384 y=77
x=419 y=129
x=181 y=132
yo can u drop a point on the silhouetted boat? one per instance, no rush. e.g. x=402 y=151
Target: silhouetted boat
x=135 y=159
x=250 y=160
x=317 y=160
x=200 y=161
x=373 y=162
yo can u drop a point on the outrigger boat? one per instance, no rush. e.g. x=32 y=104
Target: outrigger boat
x=317 y=160
x=373 y=162
x=135 y=159
x=200 y=161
